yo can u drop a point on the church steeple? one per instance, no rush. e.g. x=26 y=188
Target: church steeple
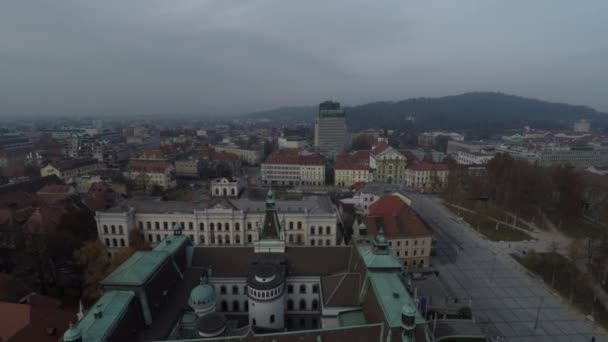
x=271 y=237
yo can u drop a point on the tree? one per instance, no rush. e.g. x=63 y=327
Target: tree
x=93 y=261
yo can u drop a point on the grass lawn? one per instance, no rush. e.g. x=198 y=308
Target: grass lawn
x=488 y=227
x=564 y=277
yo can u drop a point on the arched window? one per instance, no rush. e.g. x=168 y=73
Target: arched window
x=211 y=226
x=219 y=239
x=237 y=226
x=122 y=242
x=235 y=306
x=224 y=306
x=303 y=288
x=107 y=242
x=302 y=304
x=246 y=306
x=227 y=226
x=105 y=229
x=289 y=288
x=227 y=239
x=120 y=229
x=223 y=289
x=328 y=230
x=315 y=304
x=235 y=289
x=271 y=318
x=202 y=226
x=312 y=230
x=327 y=242
x=225 y=192
x=217 y=191
x=113 y=229
x=253 y=322
x=232 y=192
x=312 y=242
x=237 y=239
x=114 y=242
x=202 y=238
x=290 y=304
x=219 y=226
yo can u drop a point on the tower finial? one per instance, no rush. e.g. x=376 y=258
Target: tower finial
x=80 y=314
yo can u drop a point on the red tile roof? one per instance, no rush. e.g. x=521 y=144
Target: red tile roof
x=14 y=318
x=378 y=148
x=32 y=322
x=148 y=166
x=12 y=289
x=294 y=157
x=397 y=218
x=409 y=155
x=55 y=189
x=151 y=153
x=361 y=156
x=346 y=161
x=224 y=156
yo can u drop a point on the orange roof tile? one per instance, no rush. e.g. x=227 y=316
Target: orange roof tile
x=397 y=218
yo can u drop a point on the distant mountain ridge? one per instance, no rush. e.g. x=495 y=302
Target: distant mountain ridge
x=475 y=109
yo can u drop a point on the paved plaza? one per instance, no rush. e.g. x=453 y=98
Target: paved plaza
x=508 y=302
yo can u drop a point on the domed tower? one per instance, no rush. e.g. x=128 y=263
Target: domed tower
x=408 y=322
x=202 y=298
x=266 y=293
x=72 y=334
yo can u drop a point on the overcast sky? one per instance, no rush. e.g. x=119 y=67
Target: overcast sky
x=155 y=56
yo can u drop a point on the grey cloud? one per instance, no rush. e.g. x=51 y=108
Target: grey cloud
x=143 y=56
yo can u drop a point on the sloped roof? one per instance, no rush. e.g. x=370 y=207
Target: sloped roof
x=342 y=289
x=11 y=288
x=346 y=161
x=392 y=296
x=14 y=318
x=397 y=218
x=294 y=157
x=112 y=305
x=234 y=261
x=152 y=166
x=136 y=270
x=55 y=189
x=379 y=148
x=70 y=164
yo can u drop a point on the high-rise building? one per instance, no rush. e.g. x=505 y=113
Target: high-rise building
x=582 y=126
x=331 y=133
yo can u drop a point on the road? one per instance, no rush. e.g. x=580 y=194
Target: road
x=507 y=301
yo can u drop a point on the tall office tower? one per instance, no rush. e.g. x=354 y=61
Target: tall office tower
x=331 y=134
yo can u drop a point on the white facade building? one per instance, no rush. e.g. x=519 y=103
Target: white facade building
x=227 y=187
x=467 y=158
x=311 y=221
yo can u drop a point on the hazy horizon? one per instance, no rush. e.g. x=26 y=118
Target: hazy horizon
x=71 y=57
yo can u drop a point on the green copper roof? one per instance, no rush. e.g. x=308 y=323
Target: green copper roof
x=351 y=318
x=201 y=296
x=72 y=334
x=111 y=307
x=136 y=270
x=375 y=260
x=392 y=296
x=171 y=243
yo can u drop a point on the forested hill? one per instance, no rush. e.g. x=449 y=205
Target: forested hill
x=470 y=110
